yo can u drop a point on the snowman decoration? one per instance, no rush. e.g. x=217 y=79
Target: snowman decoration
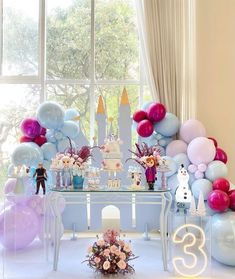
x=183 y=193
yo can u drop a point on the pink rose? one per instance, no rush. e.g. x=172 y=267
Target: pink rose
x=106 y=252
x=106 y=265
x=89 y=250
x=121 y=243
x=113 y=249
x=127 y=248
x=117 y=252
x=97 y=260
x=122 y=256
x=121 y=264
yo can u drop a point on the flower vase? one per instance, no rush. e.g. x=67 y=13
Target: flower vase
x=78 y=181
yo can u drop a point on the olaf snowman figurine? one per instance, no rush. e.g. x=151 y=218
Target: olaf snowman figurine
x=183 y=193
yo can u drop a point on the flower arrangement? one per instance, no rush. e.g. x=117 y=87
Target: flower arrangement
x=110 y=255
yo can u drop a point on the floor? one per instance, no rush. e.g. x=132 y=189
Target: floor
x=31 y=263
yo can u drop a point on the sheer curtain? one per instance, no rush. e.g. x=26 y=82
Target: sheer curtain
x=167 y=34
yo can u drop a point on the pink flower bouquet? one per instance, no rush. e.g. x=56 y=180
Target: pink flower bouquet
x=111 y=255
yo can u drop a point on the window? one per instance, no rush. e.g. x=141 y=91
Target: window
x=76 y=51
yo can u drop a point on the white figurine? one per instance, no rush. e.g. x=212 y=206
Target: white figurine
x=183 y=193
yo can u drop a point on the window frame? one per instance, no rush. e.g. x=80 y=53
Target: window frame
x=41 y=78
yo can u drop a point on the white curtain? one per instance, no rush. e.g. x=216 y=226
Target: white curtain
x=167 y=35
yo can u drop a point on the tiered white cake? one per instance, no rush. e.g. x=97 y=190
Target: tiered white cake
x=111 y=154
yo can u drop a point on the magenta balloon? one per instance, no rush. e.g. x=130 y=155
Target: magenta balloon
x=9 y=185
x=156 y=112
x=43 y=131
x=145 y=128
x=218 y=200
x=30 y=127
x=25 y=139
x=175 y=147
x=201 y=150
x=192 y=129
x=139 y=115
x=19 y=226
x=221 y=155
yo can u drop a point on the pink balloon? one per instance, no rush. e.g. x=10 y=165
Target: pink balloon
x=145 y=128
x=232 y=201
x=25 y=139
x=221 y=184
x=214 y=141
x=218 y=200
x=30 y=127
x=43 y=131
x=221 y=155
x=139 y=115
x=192 y=168
x=156 y=112
x=198 y=174
x=19 y=226
x=201 y=150
x=175 y=147
x=192 y=129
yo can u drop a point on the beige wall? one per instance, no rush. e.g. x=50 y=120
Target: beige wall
x=216 y=73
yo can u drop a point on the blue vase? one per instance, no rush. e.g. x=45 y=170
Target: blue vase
x=78 y=182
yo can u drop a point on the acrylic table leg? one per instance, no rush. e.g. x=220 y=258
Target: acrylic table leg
x=163 y=232
x=168 y=197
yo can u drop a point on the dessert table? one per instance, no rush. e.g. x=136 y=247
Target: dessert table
x=122 y=196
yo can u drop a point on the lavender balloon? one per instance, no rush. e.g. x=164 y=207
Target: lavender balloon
x=19 y=226
x=30 y=127
x=192 y=129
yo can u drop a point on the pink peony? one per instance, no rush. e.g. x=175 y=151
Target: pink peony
x=117 y=252
x=97 y=260
x=106 y=265
x=121 y=264
x=122 y=256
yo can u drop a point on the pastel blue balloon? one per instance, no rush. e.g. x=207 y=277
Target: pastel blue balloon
x=58 y=135
x=28 y=154
x=201 y=185
x=50 y=115
x=180 y=159
x=145 y=106
x=191 y=178
x=222 y=237
x=171 y=164
x=165 y=141
x=158 y=136
x=216 y=169
x=172 y=183
x=63 y=145
x=46 y=164
x=70 y=129
x=49 y=150
x=169 y=126
x=71 y=114
x=50 y=136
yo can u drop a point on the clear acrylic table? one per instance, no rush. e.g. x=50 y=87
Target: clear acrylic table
x=122 y=196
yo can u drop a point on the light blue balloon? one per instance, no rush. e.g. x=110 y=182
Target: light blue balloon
x=71 y=114
x=165 y=141
x=180 y=159
x=172 y=183
x=222 y=237
x=201 y=185
x=50 y=115
x=46 y=164
x=216 y=169
x=49 y=150
x=70 y=129
x=171 y=164
x=50 y=136
x=58 y=135
x=191 y=178
x=145 y=106
x=28 y=154
x=158 y=136
x=63 y=145
x=169 y=126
